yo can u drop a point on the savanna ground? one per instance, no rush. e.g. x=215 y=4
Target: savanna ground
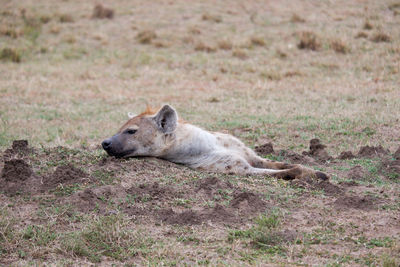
x=279 y=72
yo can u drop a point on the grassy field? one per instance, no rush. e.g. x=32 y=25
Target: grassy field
x=275 y=71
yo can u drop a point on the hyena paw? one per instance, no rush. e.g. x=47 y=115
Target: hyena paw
x=290 y=174
x=321 y=176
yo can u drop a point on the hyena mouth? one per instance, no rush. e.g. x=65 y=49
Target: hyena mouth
x=120 y=154
x=115 y=149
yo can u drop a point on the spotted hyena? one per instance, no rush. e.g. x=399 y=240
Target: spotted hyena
x=161 y=134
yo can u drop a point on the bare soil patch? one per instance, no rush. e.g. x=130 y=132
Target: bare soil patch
x=357 y=202
x=357 y=173
x=264 y=149
x=65 y=174
x=346 y=155
x=372 y=151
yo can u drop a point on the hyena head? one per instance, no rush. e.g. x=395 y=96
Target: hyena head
x=147 y=134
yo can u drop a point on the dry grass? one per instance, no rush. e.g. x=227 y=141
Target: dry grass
x=10 y=54
x=368 y=25
x=339 y=46
x=310 y=41
x=225 y=45
x=201 y=46
x=65 y=18
x=146 y=36
x=297 y=19
x=239 y=53
x=211 y=17
x=258 y=41
x=380 y=37
x=76 y=93
x=101 y=12
x=361 y=35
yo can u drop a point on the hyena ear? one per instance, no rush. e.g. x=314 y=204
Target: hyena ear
x=166 y=119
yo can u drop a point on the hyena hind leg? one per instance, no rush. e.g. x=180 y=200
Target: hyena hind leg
x=293 y=169
x=239 y=165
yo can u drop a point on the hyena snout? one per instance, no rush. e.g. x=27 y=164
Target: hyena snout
x=106 y=144
x=113 y=147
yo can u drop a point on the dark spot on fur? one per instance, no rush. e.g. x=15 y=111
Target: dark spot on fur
x=228 y=167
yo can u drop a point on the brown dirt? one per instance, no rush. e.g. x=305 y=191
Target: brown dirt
x=218 y=214
x=396 y=154
x=248 y=202
x=186 y=217
x=221 y=214
x=391 y=168
x=19 y=147
x=357 y=173
x=346 y=155
x=317 y=151
x=16 y=170
x=311 y=184
x=65 y=174
x=154 y=192
x=91 y=199
x=372 y=152
x=357 y=202
x=296 y=158
x=17 y=177
x=348 y=184
x=211 y=185
x=264 y=149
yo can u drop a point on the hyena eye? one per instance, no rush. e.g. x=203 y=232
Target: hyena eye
x=130 y=131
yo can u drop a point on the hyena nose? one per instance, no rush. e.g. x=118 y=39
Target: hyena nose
x=106 y=144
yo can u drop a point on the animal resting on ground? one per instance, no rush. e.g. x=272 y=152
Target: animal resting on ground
x=161 y=134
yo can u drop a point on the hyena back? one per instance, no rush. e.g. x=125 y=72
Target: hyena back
x=161 y=134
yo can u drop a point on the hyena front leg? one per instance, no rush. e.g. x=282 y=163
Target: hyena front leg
x=300 y=171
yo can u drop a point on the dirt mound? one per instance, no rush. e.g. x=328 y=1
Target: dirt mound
x=351 y=183
x=311 y=184
x=65 y=174
x=189 y=217
x=346 y=155
x=296 y=158
x=220 y=214
x=152 y=192
x=357 y=173
x=19 y=147
x=357 y=202
x=211 y=185
x=248 y=202
x=391 y=169
x=16 y=170
x=317 y=150
x=96 y=198
x=396 y=154
x=17 y=177
x=264 y=149
x=372 y=152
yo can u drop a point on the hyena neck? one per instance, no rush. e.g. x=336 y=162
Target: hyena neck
x=190 y=144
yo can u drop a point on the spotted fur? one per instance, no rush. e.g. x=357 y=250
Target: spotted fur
x=161 y=134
